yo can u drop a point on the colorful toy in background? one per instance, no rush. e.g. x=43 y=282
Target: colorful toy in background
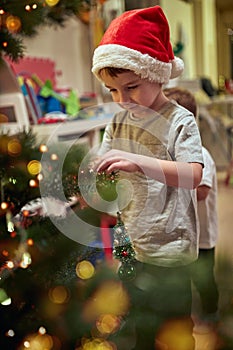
x=32 y=103
x=55 y=101
x=47 y=105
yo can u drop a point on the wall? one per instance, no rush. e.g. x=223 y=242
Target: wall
x=181 y=20
x=209 y=40
x=198 y=23
x=225 y=21
x=69 y=47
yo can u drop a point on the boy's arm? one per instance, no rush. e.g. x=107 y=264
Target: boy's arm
x=175 y=174
x=202 y=192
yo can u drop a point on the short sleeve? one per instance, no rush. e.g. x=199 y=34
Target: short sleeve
x=209 y=169
x=185 y=141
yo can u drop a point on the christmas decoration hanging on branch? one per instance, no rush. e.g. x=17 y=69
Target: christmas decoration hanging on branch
x=123 y=250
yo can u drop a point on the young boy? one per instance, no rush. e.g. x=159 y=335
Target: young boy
x=156 y=146
x=202 y=270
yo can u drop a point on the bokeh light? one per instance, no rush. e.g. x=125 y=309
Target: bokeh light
x=42 y=330
x=38 y=342
x=34 y=167
x=26 y=260
x=33 y=183
x=175 y=334
x=4 y=205
x=59 y=294
x=43 y=148
x=97 y=344
x=13 y=24
x=85 y=269
x=54 y=156
x=107 y=324
x=10 y=333
x=10 y=264
x=109 y=298
x=52 y=2
x=30 y=242
x=14 y=147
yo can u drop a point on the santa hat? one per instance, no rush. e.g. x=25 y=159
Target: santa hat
x=139 y=40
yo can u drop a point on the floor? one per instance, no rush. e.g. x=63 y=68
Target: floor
x=224 y=266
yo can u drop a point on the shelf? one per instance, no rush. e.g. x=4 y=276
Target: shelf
x=72 y=130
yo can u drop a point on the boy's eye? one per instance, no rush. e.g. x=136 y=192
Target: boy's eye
x=132 y=87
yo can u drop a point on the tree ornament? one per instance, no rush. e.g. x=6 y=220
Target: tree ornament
x=123 y=251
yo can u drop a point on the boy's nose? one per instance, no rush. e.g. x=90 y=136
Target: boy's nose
x=123 y=97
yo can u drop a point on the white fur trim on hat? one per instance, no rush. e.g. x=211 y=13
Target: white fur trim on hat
x=177 y=67
x=147 y=67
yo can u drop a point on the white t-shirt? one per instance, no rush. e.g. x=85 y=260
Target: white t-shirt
x=207 y=209
x=161 y=220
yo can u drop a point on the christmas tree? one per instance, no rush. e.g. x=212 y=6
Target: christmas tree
x=57 y=292
x=49 y=283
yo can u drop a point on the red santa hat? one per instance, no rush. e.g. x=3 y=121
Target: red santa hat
x=139 y=40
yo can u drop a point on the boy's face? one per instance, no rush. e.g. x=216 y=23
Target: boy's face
x=128 y=89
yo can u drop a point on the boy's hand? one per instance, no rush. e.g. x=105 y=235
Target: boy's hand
x=115 y=160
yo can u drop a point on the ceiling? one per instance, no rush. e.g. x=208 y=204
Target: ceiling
x=224 y=5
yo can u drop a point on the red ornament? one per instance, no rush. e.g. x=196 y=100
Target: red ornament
x=124 y=253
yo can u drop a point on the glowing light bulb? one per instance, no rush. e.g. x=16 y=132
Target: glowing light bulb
x=43 y=148
x=4 y=205
x=42 y=330
x=32 y=183
x=13 y=24
x=54 y=156
x=30 y=241
x=10 y=333
x=10 y=264
x=26 y=260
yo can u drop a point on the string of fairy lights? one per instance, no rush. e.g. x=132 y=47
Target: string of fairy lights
x=105 y=320
x=21 y=256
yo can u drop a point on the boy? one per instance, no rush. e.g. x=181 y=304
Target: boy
x=156 y=146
